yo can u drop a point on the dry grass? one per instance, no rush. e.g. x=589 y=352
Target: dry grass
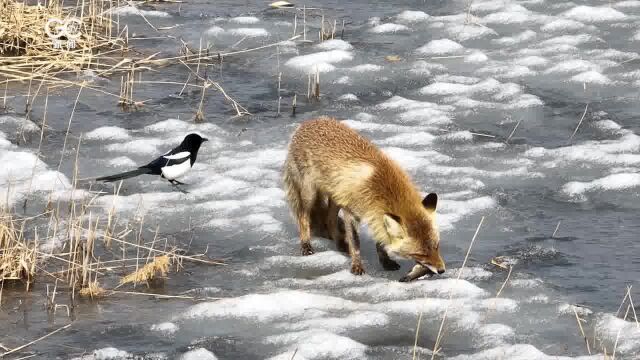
x=27 y=52
x=77 y=265
x=27 y=49
x=23 y=27
x=158 y=268
x=17 y=254
x=93 y=291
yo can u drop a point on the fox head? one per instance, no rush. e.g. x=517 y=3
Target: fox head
x=415 y=235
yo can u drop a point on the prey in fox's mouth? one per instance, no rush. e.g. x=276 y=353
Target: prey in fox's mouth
x=419 y=270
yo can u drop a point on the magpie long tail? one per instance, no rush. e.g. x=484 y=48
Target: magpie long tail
x=124 y=175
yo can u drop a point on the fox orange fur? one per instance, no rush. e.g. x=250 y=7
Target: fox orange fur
x=329 y=161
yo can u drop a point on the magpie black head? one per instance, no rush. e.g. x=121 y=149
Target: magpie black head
x=191 y=143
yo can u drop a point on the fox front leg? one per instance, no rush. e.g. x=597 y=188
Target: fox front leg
x=353 y=241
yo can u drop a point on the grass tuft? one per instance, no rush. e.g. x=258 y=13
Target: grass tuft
x=158 y=268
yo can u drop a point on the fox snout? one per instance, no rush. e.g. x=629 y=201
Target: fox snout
x=433 y=269
x=433 y=263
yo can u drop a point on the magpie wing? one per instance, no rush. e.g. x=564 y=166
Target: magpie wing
x=168 y=159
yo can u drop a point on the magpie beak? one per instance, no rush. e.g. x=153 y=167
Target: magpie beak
x=171 y=165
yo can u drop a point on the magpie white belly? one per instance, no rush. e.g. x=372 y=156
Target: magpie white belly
x=176 y=171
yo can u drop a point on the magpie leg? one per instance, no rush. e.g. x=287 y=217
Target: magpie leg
x=176 y=184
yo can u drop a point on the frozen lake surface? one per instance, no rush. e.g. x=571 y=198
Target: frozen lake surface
x=482 y=107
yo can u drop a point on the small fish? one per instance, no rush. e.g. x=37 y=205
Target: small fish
x=418 y=271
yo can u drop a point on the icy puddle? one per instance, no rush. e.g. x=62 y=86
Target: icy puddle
x=521 y=112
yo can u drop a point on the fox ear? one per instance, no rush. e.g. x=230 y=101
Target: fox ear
x=430 y=201
x=392 y=225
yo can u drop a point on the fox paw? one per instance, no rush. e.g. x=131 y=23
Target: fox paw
x=357 y=269
x=390 y=265
x=405 y=279
x=306 y=249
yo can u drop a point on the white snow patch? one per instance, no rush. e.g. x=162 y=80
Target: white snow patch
x=513 y=14
x=280 y=305
x=464 y=32
x=121 y=162
x=317 y=344
x=568 y=309
x=108 y=133
x=245 y=20
x=132 y=10
x=614 y=182
x=627 y=4
x=562 y=25
x=573 y=40
x=23 y=124
x=215 y=30
x=446 y=88
x=320 y=260
x=573 y=66
x=452 y=211
x=166 y=328
x=607 y=125
x=366 y=68
x=426 y=116
x=476 y=57
x=356 y=320
x=518 y=352
x=249 y=32
x=348 y=97
x=470 y=273
x=410 y=16
x=320 y=60
x=532 y=61
x=440 y=47
x=625 y=333
x=198 y=354
x=409 y=139
x=516 y=39
x=494 y=334
x=441 y=288
x=139 y=146
x=591 y=77
x=16 y=178
x=110 y=353
x=594 y=14
x=334 y=44
x=389 y=28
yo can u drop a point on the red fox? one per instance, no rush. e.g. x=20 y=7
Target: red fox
x=328 y=161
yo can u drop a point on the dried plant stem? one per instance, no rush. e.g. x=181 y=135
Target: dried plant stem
x=446 y=310
x=34 y=341
x=580 y=122
x=505 y=281
x=66 y=135
x=556 y=230
x=579 y=320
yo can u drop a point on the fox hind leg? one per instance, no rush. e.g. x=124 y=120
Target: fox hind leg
x=301 y=199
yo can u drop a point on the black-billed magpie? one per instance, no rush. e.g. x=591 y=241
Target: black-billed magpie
x=171 y=165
